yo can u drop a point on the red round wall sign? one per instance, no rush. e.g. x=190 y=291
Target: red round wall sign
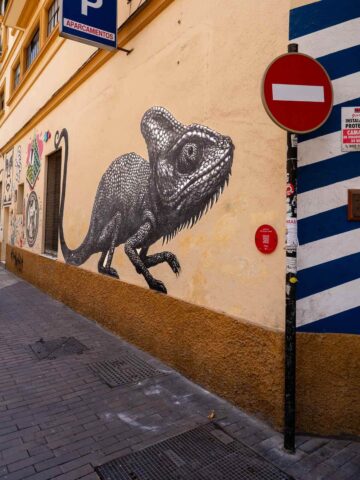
x=266 y=239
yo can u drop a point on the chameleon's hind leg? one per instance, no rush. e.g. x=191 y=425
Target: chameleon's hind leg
x=107 y=269
x=112 y=230
x=137 y=241
x=153 y=260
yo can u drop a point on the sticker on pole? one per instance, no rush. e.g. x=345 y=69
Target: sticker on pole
x=266 y=239
x=350 y=129
x=297 y=93
x=90 y=21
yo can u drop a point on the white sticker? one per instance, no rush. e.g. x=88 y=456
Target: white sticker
x=291 y=233
x=291 y=265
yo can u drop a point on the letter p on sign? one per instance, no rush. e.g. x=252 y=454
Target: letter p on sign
x=85 y=4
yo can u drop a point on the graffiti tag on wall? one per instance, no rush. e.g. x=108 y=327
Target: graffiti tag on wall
x=18 y=164
x=33 y=160
x=32 y=219
x=17 y=260
x=8 y=164
x=139 y=202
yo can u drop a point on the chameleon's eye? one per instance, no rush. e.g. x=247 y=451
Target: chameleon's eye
x=188 y=158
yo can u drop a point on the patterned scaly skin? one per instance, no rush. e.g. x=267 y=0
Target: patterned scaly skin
x=138 y=202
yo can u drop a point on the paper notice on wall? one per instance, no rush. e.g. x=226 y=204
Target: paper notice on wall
x=291 y=265
x=291 y=234
x=350 y=129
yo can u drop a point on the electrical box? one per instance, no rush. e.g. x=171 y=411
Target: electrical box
x=354 y=205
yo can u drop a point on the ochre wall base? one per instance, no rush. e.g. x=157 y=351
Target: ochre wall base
x=237 y=360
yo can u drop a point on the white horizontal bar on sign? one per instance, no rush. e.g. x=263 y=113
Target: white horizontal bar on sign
x=320 y=148
x=327 y=303
x=346 y=88
x=326 y=198
x=298 y=93
x=330 y=40
x=328 y=249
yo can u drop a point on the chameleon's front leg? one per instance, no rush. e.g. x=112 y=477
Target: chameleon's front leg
x=157 y=258
x=137 y=241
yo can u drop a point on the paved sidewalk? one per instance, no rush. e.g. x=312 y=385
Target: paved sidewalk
x=59 y=420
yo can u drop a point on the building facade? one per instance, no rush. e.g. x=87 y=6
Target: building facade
x=191 y=87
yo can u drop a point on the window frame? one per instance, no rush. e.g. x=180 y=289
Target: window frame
x=53 y=21
x=4 y=5
x=2 y=94
x=4 y=42
x=31 y=57
x=20 y=201
x=54 y=156
x=38 y=23
x=16 y=65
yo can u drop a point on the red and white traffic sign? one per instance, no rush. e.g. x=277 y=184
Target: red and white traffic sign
x=297 y=93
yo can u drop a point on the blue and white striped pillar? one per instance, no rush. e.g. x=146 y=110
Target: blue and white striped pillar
x=329 y=252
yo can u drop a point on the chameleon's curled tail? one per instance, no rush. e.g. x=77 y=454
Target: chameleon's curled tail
x=81 y=254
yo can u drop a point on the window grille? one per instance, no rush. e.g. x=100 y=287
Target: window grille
x=33 y=48
x=53 y=16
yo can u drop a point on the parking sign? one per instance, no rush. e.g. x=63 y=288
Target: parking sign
x=90 y=21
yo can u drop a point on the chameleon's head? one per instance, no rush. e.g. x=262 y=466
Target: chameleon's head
x=190 y=164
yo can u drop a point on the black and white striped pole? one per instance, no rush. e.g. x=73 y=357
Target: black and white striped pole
x=291 y=281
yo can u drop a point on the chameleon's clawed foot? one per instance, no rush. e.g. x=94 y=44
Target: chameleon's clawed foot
x=111 y=272
x=174 y=264
x=157 y=285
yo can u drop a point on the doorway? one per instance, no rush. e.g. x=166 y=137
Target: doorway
x=52 y=203
x=5 y=233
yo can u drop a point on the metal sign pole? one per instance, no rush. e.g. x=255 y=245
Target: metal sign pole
x=291 y=281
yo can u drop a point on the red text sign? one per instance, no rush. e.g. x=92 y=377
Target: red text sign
x=266 y=239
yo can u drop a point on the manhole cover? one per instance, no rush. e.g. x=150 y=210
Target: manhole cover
x=124 y=370
x=58 y=347
x=205 y=453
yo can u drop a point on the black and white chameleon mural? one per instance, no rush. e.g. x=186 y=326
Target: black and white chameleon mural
x=139 y=202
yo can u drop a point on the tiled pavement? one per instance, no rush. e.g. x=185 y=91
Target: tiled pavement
x=59 y=420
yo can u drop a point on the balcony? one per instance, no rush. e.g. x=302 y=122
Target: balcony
x=18 y=13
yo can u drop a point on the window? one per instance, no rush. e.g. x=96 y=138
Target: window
x=3 y=6
x=3 y=40
x=53 y=16
x=17 y=72
x=33 y=48
x=2 y=101
x=52 y=203
x=20 y=199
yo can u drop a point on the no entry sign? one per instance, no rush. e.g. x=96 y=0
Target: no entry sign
x=297 y=93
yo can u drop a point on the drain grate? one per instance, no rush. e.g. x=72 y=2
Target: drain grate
x=205 y=453
x=58 y=347
x=124 y=370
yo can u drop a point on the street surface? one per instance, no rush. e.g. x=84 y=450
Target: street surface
x=59 y=420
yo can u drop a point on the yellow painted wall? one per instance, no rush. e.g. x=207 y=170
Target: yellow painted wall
x=204 y=63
